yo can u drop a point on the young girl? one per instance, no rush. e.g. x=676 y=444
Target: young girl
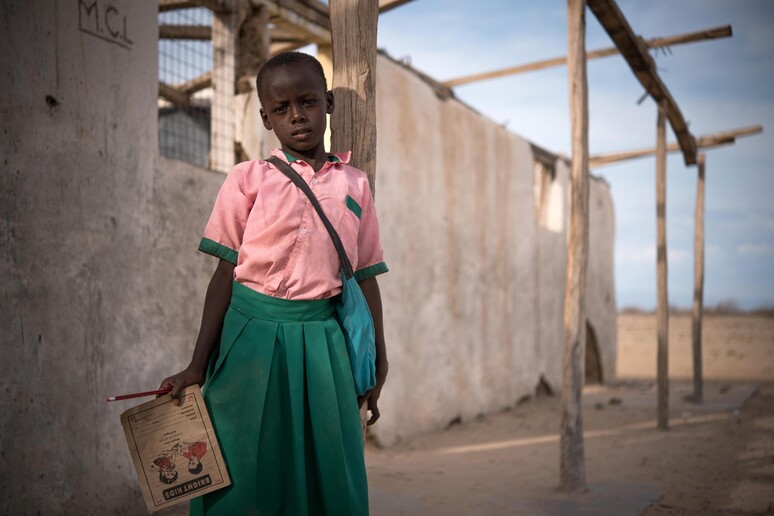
x=270 y=353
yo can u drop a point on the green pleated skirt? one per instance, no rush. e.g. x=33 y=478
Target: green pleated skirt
x=282 y=401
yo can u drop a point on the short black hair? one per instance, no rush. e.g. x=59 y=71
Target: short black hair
x=289 y=58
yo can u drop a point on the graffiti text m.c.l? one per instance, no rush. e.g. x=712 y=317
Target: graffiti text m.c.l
x=105 y=21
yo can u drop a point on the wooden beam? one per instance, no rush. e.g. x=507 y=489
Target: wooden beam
x=176 y=97
x=702 y=142
x=216 y=6
x=291 y=19
x=636 y=54
x=662 y=297
x=697 y=310
x=703 y=35
x=199 y=83
x=198 y=32
x=388 y=5
x=572 y=474
x=310 y=15
x=309 y=19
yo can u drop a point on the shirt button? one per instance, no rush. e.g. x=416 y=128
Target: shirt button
x=314 y=181
x=303 y=231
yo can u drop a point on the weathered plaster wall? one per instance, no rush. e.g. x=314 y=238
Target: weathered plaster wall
x=100 y=286
x=600 y=294
x=474 y=299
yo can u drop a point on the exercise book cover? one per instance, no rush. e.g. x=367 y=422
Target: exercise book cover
x=174 y=449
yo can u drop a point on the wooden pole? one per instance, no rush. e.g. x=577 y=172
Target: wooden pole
x=572 y=458
x=662 y=305
x=254 y=44
x=698 y=285
x=353 y=123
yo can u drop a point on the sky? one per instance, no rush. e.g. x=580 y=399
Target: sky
x=719 y=85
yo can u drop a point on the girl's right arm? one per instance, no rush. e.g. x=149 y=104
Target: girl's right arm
x=215 y=305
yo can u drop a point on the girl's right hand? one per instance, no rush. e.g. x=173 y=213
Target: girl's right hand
x=182 y=380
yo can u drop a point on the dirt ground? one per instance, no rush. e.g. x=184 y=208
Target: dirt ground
x=716 y=458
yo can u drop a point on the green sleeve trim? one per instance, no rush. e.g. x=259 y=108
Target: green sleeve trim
x=218 y=250
x=354 y=206
x=369 y=272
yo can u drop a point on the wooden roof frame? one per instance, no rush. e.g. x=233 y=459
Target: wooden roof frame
x=635 y=52
x=702 y=142
x=665 y=41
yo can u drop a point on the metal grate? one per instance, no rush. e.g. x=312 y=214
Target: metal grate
x=184 y=64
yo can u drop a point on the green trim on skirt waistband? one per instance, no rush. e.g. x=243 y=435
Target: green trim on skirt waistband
x=260 y=306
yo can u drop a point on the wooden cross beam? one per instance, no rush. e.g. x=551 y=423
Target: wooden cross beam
x=702 y=142
x=311 y=17
x=216 y=6
x=679 y=39
x=197 y=32
x=388 y=5
x=176 y=97
x=636 y=54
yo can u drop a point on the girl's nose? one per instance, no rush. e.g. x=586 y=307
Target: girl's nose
x=297 y=113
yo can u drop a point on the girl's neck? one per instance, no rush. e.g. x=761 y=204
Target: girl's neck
x=316 y=158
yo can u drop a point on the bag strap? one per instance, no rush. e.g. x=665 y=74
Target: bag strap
x=296 y=178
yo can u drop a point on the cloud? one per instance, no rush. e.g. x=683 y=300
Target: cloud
x=756 y=249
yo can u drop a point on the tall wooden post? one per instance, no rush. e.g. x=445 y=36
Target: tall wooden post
x=353 y=123
x=572 y=459
x=662 y=303
x=698 y=285
x=254 y=43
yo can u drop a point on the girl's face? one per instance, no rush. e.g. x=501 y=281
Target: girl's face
x=294 y=107
x=193 y=462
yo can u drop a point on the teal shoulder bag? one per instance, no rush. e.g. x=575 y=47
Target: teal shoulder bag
x=351 y=306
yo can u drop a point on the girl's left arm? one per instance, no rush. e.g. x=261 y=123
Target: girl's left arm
x=370 y=289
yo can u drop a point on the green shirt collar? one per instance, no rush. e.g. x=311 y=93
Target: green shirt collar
x=331 y=157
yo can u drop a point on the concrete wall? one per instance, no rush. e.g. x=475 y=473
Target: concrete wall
x=102 y=289
x=475 y=296
x=101 y=286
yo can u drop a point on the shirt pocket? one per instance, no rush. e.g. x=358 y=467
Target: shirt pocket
x=348 y=228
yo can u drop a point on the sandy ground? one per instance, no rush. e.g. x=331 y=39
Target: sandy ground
x=717 y=457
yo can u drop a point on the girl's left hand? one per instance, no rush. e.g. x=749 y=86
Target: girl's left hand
x=372 y=397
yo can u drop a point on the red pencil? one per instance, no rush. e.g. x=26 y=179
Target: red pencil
x=138 y=394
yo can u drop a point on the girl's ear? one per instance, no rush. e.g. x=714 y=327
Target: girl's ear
x=265 y=120
x=330 y=103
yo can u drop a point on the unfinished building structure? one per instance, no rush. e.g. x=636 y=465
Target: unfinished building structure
x=103 y=288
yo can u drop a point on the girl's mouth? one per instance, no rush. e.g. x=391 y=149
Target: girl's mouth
x=301 y=134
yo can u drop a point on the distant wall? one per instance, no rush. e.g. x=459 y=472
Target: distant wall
x=477 y=246
x=454 y=194
x=102 y=289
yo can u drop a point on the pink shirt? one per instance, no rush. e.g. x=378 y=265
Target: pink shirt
x=267 y=226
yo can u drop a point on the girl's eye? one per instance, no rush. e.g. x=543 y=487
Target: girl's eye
x=310 y=102
x=280 y=110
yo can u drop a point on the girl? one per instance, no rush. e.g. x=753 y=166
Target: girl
x=270 y=353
